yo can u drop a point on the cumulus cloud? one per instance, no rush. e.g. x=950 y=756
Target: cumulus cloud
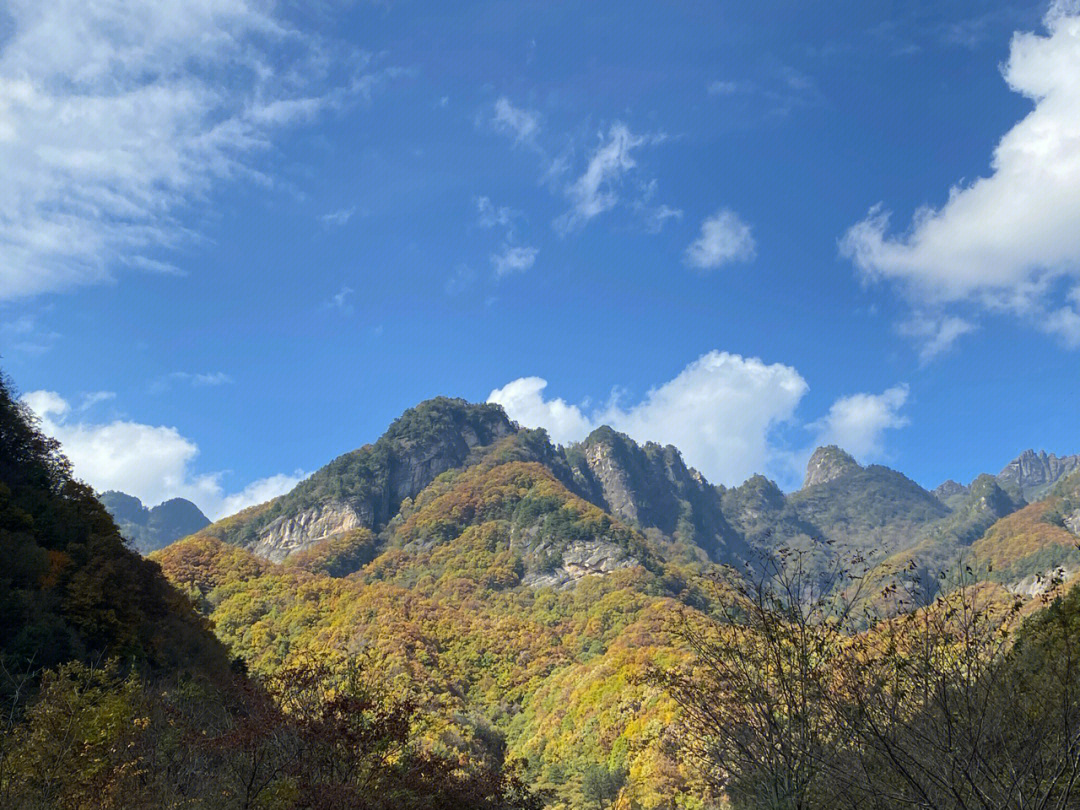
x=153 y=463
x=857 y=423
x=724 y=238
x=720 y=411
x=523 y=400
x=520 y=123
x=1003 y=241
x=116 y=117
x=513 y=259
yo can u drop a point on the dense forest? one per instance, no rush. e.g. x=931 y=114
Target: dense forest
x=463 y=615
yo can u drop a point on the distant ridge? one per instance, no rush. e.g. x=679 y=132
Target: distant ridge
x=150 y=529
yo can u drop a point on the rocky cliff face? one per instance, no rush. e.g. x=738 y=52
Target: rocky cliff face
x=291 y=533
x=650 y=486
x=1033 y=474
x=827 y=464
x=582 y=559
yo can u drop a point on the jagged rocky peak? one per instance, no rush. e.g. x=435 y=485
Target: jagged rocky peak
x=1033 y=474
x=827 y=464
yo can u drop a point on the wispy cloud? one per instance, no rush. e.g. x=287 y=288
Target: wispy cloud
x=513 y=259
x=25 y=335
x=95 y=398
x=597 y=189
x=460 y=280
x=518 y=122
x=340 y=300
x=934 y=334
x=195 y=380
x=116 y=118
x=335 y=219
x=490 y=215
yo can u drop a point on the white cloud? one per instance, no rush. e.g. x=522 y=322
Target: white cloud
x=720 y=411
x=518 y=122
x=724 y=238
x=596 y=190
x=95 y=398
x=462 y=278
x=153 y=463
x=340 y=300
x=857 y=423
x=934 y=334
x=656 y=218
x=725 y=88
x=24 y=335
x=523 y=400
x=489 y=215
x=1003 y=240
x=196 y=380
x=116 y=117
x=513 y=259
x=723 y=412
x=337 y=218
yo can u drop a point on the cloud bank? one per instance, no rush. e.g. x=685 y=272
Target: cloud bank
x=722 y=411
x=153 y=463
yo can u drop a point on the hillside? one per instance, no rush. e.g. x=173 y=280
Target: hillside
x=517 y=595
x=491 y=586
x=70 y=588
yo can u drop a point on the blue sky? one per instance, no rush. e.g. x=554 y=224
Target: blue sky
x=238 y=238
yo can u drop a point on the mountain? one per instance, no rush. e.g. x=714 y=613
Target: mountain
x=116 y=694
x=521 y=591
x=363 y=489
x=151 y=529
x=869 y=511
x=1033 y=475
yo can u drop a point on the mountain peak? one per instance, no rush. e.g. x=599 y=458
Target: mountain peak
x=1033 y=474
x=827 y=464
x=151 y=529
